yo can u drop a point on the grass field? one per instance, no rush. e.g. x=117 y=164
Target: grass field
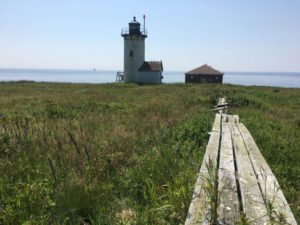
x=127 y=154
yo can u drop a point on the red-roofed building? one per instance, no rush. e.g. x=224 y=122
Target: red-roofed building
x=204 y=74
x=150 y=72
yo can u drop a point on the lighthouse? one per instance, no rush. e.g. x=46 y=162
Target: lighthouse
x=136 y=69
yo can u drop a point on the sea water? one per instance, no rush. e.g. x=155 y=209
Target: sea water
x=283 y=79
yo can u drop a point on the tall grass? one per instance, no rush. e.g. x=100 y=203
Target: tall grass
x=107 y=154
x=126 y=154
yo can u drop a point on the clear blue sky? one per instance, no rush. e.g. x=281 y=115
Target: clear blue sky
x=231 y=35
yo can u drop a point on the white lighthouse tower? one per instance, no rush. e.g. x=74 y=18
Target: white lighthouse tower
x=134 y=50
x=136 y=69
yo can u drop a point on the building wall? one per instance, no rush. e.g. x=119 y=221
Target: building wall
x=134 y=56
x=150 y=77
x=204 y=79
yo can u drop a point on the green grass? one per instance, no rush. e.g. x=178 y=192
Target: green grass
x=127 y=154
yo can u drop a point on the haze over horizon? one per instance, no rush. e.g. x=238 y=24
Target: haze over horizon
x=230 y=36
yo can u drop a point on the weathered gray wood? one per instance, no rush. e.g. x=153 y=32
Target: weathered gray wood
x=222 y=101
x=267 y=181
x=236 y=118
x=249 y=175
x=220 y=108
x=228 y=211
x=230 y=119
x=217 y=123
x=252 y=200
x=224 y=118
x=199 y=211
x=221 y=105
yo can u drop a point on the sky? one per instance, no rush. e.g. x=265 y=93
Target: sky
x=231 y=35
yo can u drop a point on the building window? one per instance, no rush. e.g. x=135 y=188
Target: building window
x=131 y=53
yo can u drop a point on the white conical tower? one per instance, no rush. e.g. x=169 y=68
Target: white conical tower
x=134 y=50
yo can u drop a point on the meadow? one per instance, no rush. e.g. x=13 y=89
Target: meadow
x=127 y=154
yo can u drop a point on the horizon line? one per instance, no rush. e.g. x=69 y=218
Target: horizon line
x=115 y=70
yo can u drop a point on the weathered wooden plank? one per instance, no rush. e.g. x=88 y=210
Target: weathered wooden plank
x=236 y=118
x=217 y=123
x=228 y=211
x=222 y=101
x=230 y=119
x=220 y=108
x=199 y=210
x=221 y=105
x=224 y=117
x=270 y=188
x=252 y=200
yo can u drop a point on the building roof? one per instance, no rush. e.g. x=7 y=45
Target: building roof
x=151 y=66
x=134 y=20
x=204 y=70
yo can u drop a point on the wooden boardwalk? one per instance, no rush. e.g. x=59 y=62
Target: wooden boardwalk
x=234 y=180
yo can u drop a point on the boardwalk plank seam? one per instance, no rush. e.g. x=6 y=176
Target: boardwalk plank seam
x=252 y=201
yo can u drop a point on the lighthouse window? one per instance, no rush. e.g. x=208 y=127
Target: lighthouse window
x=131 y=53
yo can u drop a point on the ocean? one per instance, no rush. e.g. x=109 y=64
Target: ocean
x=283 y=79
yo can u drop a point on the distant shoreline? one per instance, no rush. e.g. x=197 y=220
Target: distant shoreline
x=272 y=79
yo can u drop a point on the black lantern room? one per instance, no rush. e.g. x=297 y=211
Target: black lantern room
x=134 y=27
